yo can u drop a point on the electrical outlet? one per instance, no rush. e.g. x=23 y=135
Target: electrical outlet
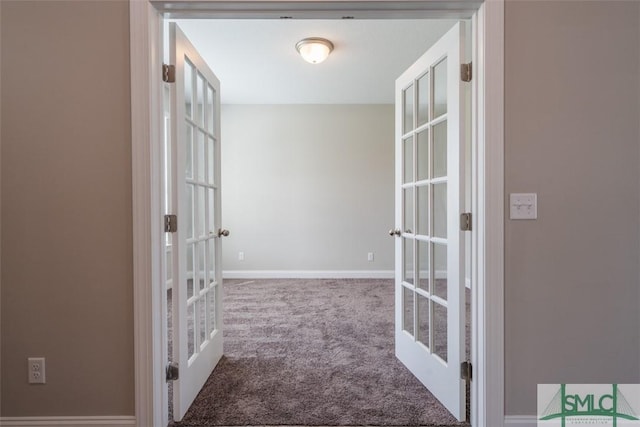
x=240 y=256
x=35 y=369
x=370 y=256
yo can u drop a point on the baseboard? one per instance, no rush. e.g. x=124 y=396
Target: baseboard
x=308 y=274
x=520 y=421
x=106 y=421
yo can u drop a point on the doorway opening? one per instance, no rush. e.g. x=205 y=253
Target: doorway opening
x=375 y=166
x=146 y=19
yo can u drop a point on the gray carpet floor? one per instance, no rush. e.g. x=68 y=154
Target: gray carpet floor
x=312 y=353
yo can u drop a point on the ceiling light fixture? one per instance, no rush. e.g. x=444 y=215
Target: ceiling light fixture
x=314 y=49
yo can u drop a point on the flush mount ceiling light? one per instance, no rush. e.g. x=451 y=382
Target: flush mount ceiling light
x=314 y=49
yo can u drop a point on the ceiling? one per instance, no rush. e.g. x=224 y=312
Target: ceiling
x=257 y=63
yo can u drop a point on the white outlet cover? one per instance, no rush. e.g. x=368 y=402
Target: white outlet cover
x=36 y=370
x=523 y=206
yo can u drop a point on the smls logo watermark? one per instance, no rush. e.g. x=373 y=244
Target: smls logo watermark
x=575 y=405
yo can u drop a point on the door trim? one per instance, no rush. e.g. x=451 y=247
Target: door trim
x=150 y=342
x=488 y=201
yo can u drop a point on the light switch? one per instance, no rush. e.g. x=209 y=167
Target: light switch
x=523 y=205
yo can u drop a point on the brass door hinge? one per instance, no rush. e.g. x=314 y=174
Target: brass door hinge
x=170 y=223
x=466 y=370
x=465 y=221
x=172 y=372
x=168 y=73
x=466 y=72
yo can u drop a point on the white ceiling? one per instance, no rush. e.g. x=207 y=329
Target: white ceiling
x=257 y=63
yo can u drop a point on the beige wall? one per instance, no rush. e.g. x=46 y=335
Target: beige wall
x=66 y=207
x=571 y=280
x=308 y=187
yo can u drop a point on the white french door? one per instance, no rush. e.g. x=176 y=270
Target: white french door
x=429 y=276
x=197 y=289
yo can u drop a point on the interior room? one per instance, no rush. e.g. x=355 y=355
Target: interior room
x=308 y=170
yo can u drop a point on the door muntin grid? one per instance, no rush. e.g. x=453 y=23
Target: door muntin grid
x=424 y=203
x=197 y=303
x=201 y=193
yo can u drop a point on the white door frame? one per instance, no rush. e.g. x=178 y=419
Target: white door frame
x=488 y=204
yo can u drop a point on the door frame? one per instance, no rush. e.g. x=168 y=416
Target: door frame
x=487 y=265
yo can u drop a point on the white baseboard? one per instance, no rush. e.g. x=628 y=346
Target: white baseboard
x=320 y=274
x=308 y=274
x=520 y=421
x=106 y=421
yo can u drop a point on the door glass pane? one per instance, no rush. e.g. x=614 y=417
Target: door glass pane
x=423 y=209
x=207 y=265
x=189 y=152
x=407 y=274
x=407 y=302
x=440 y=89
x=440 y=330
x=408 y=159
x=440 y=270
x=210 y=109
x=423 y=99
x=211 y=211
x=202 y=320
x=211 y=258
x=423 y=265
x=408 y=109
x=440 y=210
x=423 y=155
x=423 y=320
x=189 y=210
x=211 y=166
x=211 y=309
x=188 y=88
x=200 y=87
x=201 y=268
x=190 y=274
x=201 y=213
x=191 y=330
x=440 y=149
x=200 y=156
x=408 y=210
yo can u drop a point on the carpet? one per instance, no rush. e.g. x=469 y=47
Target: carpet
x=314 y=353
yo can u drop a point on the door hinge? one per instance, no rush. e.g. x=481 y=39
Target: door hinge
x=172 y=372
x=168 y=73
x=170 y=223
x=466 y=370
x=466 y=72
x=465 y=221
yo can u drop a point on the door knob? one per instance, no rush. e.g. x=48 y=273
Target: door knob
x=395 y=232
x=223 y=232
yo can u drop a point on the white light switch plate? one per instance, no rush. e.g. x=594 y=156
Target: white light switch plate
x=523 y=206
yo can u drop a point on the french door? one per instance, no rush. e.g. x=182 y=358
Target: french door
x=429 y=276
x=195 y=196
